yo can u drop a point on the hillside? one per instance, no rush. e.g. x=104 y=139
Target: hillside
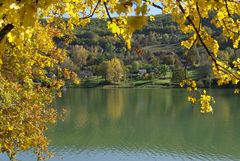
x=154 y=47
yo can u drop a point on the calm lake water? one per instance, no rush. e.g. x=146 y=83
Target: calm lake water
x=143 y=125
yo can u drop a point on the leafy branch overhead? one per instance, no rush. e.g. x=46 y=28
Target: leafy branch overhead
x=30 y=72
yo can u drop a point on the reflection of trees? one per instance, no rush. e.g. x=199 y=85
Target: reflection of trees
x=115 y=104
x=224 y=108
x=81 y=117
x=146 y=118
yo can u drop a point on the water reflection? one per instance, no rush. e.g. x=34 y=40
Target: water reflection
x=145 y=124
x=115 y=106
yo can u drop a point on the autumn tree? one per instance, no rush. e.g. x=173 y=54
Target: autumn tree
x=135 y=66
x=79 y=55
x=28 y=53
x=114 y=70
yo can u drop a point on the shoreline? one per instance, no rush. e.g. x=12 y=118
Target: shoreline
x=147 y=84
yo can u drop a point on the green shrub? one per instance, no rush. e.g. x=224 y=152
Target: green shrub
x=178 y=75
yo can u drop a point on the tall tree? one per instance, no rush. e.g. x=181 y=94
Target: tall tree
x=114 y=70
x=79 y=55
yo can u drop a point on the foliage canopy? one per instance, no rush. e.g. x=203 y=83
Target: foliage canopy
x=29 y=56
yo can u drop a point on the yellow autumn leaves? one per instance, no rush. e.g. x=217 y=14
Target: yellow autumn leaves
x=28 y=55
x=223 y=15
x=195 y=97
x=114 y=70
x=126 y=26
x=205 y=101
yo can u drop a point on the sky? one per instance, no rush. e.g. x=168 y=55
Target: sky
x=154 y=11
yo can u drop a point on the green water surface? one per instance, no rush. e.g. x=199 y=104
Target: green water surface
x=144 y=125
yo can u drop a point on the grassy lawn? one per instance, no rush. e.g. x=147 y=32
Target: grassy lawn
x=196 y=74
x=95 y=81
x=161 y=81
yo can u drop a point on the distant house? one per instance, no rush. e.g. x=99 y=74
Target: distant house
x=141 y=72
x=85 y=74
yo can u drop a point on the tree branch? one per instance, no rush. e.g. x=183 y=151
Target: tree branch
x=226 y=5
x=154 y=5
x=109 y=16
x=94 y=10
x=5 y=31
x=222 y=68
x=198 y=34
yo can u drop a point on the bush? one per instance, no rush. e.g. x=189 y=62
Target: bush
x=162 y=70
x=178 y=75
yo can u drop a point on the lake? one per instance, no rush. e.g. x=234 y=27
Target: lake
x=143 y=125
